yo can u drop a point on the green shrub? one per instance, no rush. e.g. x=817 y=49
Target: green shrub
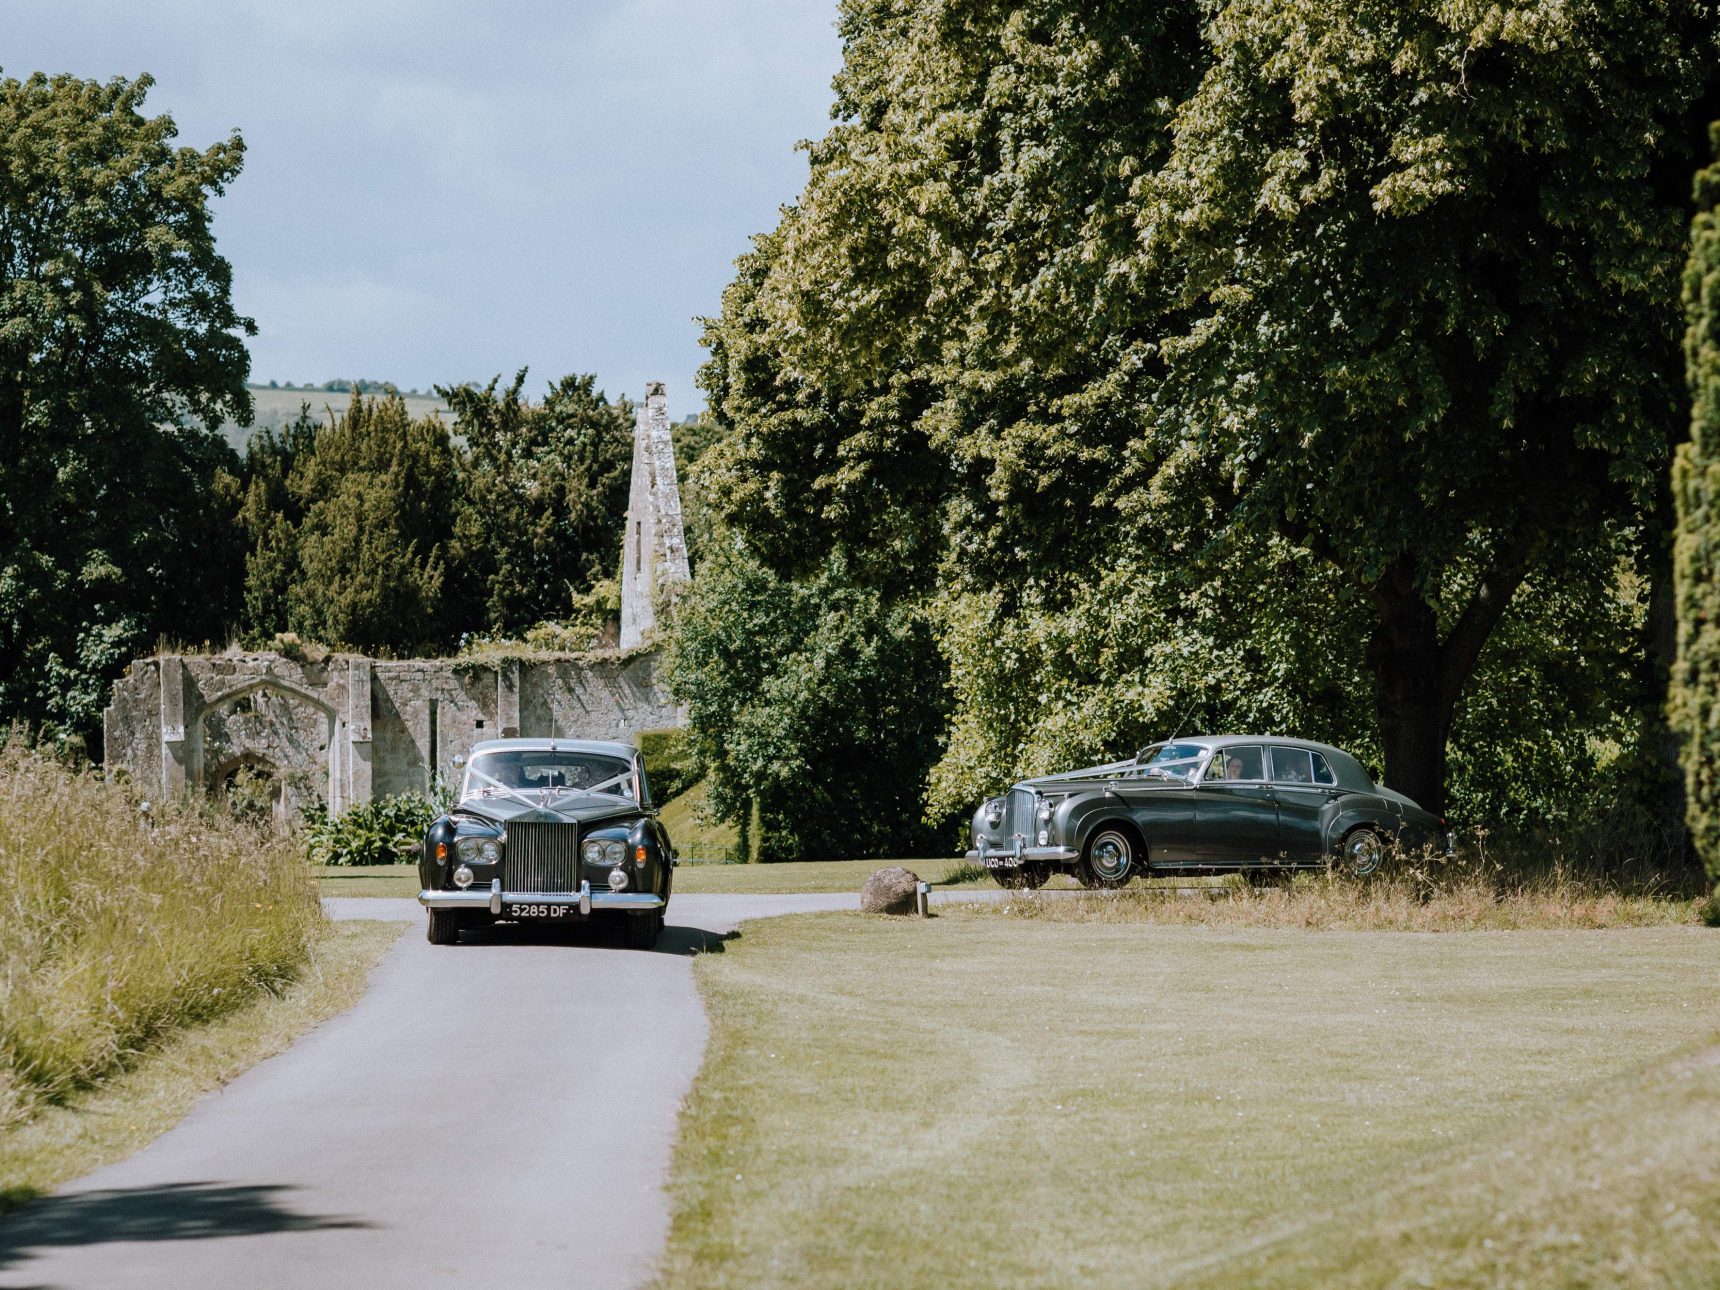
x=1709 y=910
x=121 y=923
x=388 y=830
x=668 y=763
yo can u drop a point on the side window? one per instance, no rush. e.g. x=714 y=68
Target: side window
x=1323 y=772
x=1244 y=763
x=1292 y=766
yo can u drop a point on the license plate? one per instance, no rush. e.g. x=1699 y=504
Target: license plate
x=995 y=861
x=541 y=911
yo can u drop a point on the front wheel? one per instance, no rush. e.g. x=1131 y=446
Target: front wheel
x=1110 y=861
x=643 y=929
x=444 y=927
x=1361 y=852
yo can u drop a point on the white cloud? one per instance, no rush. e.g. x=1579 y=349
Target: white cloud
x=455 y=188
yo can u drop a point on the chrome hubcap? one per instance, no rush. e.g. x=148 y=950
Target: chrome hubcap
x=1364 y=854
x=1110 y=857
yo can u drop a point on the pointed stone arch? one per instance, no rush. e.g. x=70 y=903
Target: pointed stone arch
x=223 y=703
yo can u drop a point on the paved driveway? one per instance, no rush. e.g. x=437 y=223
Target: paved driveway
x=494 y=1114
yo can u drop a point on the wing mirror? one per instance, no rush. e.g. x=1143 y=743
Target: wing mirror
x=459 y=761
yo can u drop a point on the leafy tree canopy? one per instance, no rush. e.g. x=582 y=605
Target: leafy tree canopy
x=797 y=705
x=1423 y=317
x=544 y=497
x=120 y=352
x=1239 y=362
x=349 y=525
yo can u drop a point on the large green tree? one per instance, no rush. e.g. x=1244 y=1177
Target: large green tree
x=1424 y=323
x=120 y=352
x=1235 y=363
x=349 y=525
x=543 y=498
x=934 y=329
x=801 y=705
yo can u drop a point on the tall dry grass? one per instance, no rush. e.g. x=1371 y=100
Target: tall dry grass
x=1484 y=887
x=119 y=924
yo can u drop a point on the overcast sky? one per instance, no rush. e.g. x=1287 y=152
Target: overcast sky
x=447 y=189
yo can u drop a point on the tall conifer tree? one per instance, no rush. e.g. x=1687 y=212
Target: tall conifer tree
x=1695 y=697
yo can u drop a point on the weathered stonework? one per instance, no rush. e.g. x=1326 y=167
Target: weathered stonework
x=347 y=728
x=654 y=550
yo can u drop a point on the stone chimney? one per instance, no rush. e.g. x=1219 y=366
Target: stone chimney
x=654 y=550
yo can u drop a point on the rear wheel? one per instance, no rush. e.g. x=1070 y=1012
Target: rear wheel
x=642 y=930
x=444 y=927
x=1110 y=861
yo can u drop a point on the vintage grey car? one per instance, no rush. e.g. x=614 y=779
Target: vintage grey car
x=548 y=830
x=1204 y=804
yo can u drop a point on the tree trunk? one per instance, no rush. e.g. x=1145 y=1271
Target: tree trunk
x=1405 y=657
x=1420 y=677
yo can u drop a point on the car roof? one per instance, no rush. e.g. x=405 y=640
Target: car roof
x=605 y=747
x=1227 y=741
x=1350 y=772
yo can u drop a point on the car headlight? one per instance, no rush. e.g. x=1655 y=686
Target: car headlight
x=994 y=813
x=490 y=851
x=614 y=852
x=467 y=848
x=592 y=851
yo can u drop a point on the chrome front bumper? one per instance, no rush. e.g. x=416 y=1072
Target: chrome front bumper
x=1019 y=854
x=496 y=900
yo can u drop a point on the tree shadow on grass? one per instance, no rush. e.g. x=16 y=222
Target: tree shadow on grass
x=174 y=1212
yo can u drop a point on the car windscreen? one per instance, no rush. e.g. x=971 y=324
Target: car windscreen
x=513 y=770
x=1173 y=761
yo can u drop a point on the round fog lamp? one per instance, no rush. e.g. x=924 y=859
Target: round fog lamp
x=462 y=877
x=1044 y=837
x=617 y=879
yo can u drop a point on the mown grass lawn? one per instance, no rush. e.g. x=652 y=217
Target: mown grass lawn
x=982 y=1101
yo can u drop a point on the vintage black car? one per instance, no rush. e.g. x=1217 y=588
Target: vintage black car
x=554 y=830
x=1205 y=804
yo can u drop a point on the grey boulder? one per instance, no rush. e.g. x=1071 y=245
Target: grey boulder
x=891 y=891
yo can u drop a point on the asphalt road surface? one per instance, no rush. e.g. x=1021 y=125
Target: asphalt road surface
x=494 y=1114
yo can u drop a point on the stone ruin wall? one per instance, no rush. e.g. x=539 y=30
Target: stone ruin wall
x=348 y=729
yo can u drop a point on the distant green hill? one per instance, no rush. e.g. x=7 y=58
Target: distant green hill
x=276 y=407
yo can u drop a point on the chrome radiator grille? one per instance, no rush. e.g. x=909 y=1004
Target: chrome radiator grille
x=1018 y=814
x=542 y=857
